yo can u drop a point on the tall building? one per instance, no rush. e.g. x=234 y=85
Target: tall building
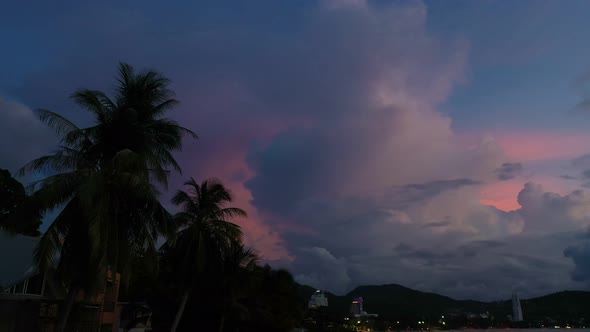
x=356 y=308
x=516 y=309
x=318 y=299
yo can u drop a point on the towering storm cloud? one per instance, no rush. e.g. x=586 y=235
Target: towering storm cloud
x=370 y=142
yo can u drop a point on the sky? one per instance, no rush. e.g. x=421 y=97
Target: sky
x=439 y=145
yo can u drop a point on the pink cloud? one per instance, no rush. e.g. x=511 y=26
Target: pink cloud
x=231 y=167
x=536 y=148
x=502 y=195
x=226 y=158
x=539 y=145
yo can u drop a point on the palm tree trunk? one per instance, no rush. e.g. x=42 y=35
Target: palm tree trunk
x=64 y=313
x=221 y=323
x=179 y=312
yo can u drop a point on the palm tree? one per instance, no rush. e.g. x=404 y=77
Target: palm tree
x=204 y=232
x=104 y=179
x=238 y=268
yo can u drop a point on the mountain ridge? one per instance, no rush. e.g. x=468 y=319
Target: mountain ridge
x=394 y=301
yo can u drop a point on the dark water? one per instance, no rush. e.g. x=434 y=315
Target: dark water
x=513 y=330
x=527 y=330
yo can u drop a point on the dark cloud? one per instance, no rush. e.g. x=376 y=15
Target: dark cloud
x=582 y=165
x=442 y=223
x=580 y=255
x=454 y=264
x=582 y=85
x=322 y=270
x=485 y=244
x=492 y=274
x=568 y=177
x=473 y=248
x=428 y=257
x=585 y=235
x=417 y=192
x=508 y=171
x=547 y=211
x=582 y=161
x=403 y=247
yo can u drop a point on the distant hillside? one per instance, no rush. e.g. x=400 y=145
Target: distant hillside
x=399 y=300
x=394 y=301
x=565 y=304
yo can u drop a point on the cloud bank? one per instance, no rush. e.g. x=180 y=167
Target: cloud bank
x=326 y=124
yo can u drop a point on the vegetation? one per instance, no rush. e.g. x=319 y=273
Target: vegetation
x=104 y=181
x=205 y=236
x=17 y=210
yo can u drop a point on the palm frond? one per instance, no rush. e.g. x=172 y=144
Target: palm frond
x=57 y=189
x=124 y=78
x=62 y=160
x=60 y=124
x=45 y=254
x=163 y=107
x=96 y=102
x=47 y=251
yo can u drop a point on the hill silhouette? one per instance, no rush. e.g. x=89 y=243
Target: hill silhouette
x=395 y=301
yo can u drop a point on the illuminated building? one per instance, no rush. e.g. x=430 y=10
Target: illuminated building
x=318 y=299
x=356 y=308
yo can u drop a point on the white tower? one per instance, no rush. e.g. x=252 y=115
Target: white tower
x=516 y=309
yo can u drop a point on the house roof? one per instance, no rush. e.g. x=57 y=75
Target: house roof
x=16 y=257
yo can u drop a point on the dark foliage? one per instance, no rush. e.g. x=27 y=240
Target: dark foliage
x=267 y=301
x=17 y=210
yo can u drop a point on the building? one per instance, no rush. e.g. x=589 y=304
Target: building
x=516 y=308
x=30 y=300
x=356 y=308
x=318 y=299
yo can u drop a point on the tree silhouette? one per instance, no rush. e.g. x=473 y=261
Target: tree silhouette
x=17 y=210
x=204 y=233
x=104 y=177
